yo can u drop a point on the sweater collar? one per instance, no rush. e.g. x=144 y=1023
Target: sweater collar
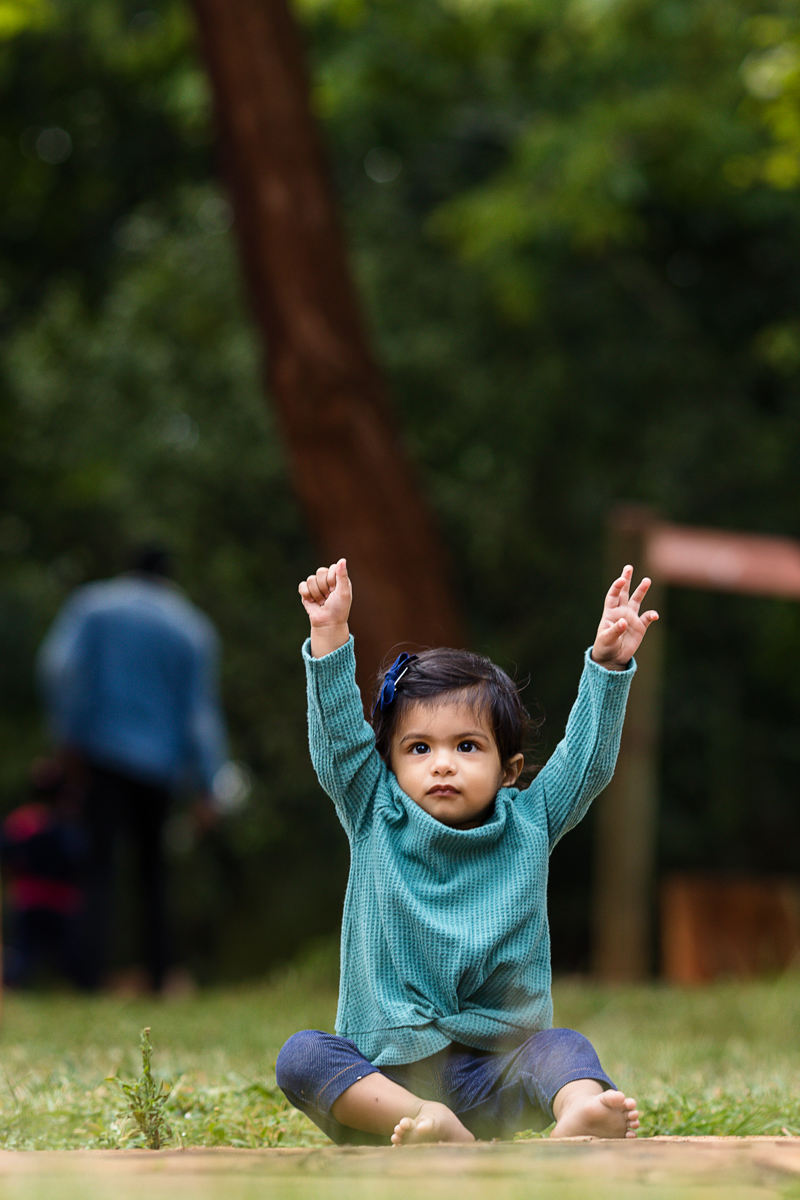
x=439 y=838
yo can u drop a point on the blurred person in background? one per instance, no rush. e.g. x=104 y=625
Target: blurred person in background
x=128 y=673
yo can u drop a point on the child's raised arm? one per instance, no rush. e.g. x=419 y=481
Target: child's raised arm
x=327 y=596
x=622 y=626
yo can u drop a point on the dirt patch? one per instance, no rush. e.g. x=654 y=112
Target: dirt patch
x=649 y=1168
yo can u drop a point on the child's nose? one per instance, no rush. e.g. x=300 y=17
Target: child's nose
x=442 y=762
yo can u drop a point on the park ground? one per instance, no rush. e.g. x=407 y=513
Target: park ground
x=716 y=1063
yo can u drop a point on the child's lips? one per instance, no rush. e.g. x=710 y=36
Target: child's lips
x=442 y=789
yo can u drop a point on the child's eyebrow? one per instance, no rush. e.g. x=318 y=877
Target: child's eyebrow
x=425 y=737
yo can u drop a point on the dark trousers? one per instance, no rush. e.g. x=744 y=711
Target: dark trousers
x=120 y=810
x=39 y=938
x=494 y=1093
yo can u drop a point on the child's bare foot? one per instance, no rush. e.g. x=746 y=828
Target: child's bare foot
x=433 y=1123
x=603 y=1115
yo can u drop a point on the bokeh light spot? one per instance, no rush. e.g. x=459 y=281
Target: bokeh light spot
x=54 y=145
x=382 y=165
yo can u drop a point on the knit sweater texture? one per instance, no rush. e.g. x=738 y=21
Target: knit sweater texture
x=444 y=934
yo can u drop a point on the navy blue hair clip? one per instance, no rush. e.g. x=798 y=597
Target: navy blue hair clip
x=391 y=679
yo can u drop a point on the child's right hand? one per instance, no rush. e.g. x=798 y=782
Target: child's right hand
x=327 y=596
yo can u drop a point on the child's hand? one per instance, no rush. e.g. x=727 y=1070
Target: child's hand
x=327 y=596
x=622 y=627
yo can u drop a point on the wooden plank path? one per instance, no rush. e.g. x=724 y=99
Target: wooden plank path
x=573 y=1169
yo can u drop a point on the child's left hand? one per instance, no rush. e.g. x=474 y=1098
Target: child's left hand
x=622 y=627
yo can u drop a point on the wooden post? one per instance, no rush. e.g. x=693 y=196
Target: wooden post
x=625 y=814
x=624 y=892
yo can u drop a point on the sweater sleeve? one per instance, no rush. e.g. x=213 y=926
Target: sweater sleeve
x=583 y=762
x=341 y=742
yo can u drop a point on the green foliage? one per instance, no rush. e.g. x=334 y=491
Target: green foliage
x=585 y=299
x=771 y=72
x=575 y=241
x=16 y=15
x=147 y=1099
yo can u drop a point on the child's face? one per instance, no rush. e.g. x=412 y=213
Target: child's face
x=445 y=758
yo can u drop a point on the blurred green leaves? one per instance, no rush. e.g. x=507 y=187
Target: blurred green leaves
x=16 y=15
x=575 y=228
x=104 y=109
x=771 y=73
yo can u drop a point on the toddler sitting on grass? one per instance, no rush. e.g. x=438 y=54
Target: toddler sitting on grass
x=444 y=1024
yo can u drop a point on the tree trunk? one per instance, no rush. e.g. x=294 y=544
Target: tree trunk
x=350 y=471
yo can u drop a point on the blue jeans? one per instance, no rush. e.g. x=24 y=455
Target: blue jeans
x=493 y=1093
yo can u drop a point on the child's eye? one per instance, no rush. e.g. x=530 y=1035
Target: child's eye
x=419 y=748
x=467 y=747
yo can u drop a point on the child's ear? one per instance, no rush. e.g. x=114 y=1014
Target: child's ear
x=512 y=770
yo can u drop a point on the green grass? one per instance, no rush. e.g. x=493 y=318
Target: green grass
x=722 y=1060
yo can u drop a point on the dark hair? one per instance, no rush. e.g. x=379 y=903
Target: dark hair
x=482 y=686
x=152 y=559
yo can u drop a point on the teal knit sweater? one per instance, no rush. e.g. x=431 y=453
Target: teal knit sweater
x=444 y=934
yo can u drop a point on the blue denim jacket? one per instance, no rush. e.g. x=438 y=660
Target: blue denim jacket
x=129 y=676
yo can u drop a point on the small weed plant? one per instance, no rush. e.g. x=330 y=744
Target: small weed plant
x=147 y=1099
